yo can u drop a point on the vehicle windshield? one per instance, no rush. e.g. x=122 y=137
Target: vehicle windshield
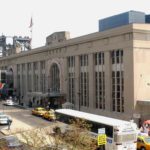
x=147 y=140
x=40 y=109
x=8 y=101
x=49 y=113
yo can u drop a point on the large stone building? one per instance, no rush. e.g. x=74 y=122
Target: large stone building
x=107 y=72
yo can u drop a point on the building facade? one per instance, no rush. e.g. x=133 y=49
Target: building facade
x=106 y=73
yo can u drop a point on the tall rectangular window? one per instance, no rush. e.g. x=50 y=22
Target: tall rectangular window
x=29 y=77
x=117 y=81
x=35 y=76
x=84 y=89
x=18 y=68
x=3 y=76
x=35 y=65
x=71 y=87
x=23 y=79
x=71 y=79
x=99 y=58
x=42 y=76
x=71 y=61
x=42 y=65
x=43 y=88
x=35 y=82
x=99 y=80
x=84 y=60
x=18 y=79
x=18 y=84
x=29 y=66
x=84 y=81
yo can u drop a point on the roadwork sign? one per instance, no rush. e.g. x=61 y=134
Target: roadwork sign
x=102 y=139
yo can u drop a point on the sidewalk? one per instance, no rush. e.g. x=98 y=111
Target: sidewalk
x=16 y=126
x=34 y=136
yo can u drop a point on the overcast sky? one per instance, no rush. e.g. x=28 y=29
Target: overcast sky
x=79 y=17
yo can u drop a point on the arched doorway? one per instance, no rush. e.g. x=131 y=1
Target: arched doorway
x=55 y=97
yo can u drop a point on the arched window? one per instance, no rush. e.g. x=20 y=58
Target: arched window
x=55 y=78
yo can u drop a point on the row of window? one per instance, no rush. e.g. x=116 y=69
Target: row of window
x=117 y=81
x=29 y=65
x=116 y=57
x=39 y=80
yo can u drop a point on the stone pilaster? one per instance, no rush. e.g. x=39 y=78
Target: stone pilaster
x=91 y=81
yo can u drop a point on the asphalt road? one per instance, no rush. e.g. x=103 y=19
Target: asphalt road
x=23 y=115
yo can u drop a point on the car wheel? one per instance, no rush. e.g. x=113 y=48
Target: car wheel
x=143 y=148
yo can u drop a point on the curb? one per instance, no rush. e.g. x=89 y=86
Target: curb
x=5 y=132
x=20 y=106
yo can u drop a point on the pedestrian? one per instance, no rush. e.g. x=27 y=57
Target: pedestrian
x=149 y=130
x=9 y=123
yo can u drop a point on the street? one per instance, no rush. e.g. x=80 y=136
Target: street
x=22 y=118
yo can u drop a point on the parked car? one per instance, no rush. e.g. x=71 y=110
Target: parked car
x=39 y=111
x=9 y=102
x=143 y=142
x=50 y=115
x=4 y=119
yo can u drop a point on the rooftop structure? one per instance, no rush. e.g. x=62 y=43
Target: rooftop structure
x=123 y=19
x=12 y=45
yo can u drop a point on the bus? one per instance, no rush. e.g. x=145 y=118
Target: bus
x=121 y=135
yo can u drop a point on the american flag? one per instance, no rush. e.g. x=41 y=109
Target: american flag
x=31 y=23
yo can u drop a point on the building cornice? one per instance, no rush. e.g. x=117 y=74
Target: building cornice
x=84 y=39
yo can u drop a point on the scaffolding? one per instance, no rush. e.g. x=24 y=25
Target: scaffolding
x=18 y=44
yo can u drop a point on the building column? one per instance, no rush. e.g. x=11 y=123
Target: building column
x=64 y=87
x=91 y=81
x=108 y=84
x=21 y=84
x=47 y=86
x=15 y=76
x=26 y=81
x=39 y=76
x=32 y=77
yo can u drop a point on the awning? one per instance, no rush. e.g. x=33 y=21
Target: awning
x=53 y=94
x=45 y=94
x=143 y=102
x=36 y=94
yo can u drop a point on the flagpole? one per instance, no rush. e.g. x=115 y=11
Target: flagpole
x=31 y=37
x=31 y=31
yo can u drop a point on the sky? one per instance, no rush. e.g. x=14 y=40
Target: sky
x=79 y=17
